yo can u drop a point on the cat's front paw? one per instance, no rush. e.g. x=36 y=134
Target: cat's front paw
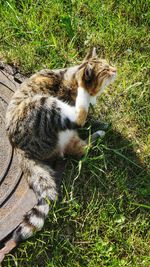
x=82 y=106
x=81 y=116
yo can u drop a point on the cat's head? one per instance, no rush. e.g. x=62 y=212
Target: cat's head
x=94 y=74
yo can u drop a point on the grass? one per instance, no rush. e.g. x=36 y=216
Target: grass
x=103 y=217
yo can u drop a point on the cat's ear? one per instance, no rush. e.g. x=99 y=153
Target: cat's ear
x=91 y=54
x=88 y=72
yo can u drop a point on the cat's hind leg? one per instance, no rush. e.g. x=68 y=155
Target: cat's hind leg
x=76 y=146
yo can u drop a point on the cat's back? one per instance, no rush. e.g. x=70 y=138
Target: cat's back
x=43 y=83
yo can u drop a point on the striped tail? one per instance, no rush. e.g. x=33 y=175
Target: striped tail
x=42 y=180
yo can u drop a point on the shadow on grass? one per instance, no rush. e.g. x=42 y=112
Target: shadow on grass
x=118 y=166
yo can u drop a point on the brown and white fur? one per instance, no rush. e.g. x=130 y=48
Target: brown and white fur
x=42 y=121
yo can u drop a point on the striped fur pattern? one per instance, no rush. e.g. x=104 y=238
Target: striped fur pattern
x=42 y=121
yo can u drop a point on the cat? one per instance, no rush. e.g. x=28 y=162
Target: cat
x=42 y=121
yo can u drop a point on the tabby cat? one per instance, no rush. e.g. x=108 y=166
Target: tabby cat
x=42 y=121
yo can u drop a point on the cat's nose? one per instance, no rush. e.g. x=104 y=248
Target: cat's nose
x=114 y=70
